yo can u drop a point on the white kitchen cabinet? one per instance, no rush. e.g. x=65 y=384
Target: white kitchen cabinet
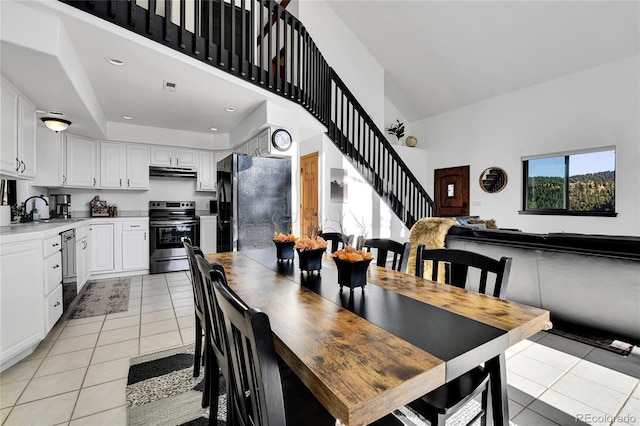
x=102 y=259
x=51 y=158
x=124 y=166
x=206 y=171
x=137 y=166
x=22 y=323
x=82 y=164
x=53 y=308
x=208 y=226
x=135 y=245
x=173 y=157
x=18 y=142
x=26 y=138
x=84 y=255
x=52 y=285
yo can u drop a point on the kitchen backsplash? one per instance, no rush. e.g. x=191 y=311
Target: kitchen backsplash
x=127 y=201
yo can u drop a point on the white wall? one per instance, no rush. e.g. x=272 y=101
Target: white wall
x=353 y=63
x=362 y=203
x=594 y=108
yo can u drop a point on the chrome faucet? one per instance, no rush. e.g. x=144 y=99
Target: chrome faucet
x=28 y=217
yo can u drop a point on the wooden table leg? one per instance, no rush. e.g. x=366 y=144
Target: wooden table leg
x=498 y=389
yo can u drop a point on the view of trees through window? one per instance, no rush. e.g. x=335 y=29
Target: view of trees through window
x=580 y=182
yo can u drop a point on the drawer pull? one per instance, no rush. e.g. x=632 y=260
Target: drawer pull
x=56 y=304
x=134 y=226
x=56 y=266
x=55 y=244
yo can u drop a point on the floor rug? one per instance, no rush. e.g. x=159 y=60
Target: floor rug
x=161 y=391
x=103 y=297
x=620 y=345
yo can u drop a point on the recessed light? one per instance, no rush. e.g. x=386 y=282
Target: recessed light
x=116 y=62
x=229 y=109
x=213 y=129
x=127 y=117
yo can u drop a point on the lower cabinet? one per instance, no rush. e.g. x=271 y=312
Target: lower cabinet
x=103 y=246
x=135 y=245
x=208 y=234
x=22 y=322
x=84 y=255
x=52 y=285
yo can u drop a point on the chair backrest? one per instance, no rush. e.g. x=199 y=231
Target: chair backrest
x=254 y=363
x=338 y=240
x=459 y=262
x=196 y=278
x=385 y=246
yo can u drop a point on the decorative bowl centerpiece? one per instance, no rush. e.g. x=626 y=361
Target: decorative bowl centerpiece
x=352 y=266
x=284 y=245
x=310 y=252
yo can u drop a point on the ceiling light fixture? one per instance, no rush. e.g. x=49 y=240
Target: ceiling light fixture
x=213 y=129
x=56 y=124
x=229 y=109
x=116 y=62
x=127 y=117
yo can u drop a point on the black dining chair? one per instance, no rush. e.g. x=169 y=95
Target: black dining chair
x=458 y=263
x=198 y=302
x=385 y=247
x=268 y=394
x=217 y=360
x=338 y=240
x=440 y=404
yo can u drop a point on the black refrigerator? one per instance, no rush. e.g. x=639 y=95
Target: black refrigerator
x=253 y=195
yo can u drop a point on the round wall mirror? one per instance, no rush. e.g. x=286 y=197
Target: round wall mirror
x=493 y=179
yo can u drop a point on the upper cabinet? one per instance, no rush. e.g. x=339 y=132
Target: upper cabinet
x=173 y=157
x=51 y=156
x=206 y=171
x=124 y=166
x=82 y=162
x=18 y=134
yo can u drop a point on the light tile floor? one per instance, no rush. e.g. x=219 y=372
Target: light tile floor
x=77 y=375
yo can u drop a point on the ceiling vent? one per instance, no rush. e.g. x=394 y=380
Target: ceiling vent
x=168 y=86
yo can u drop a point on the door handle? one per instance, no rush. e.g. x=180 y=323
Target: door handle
x=120 y=182
x=94 y=181
x=314 y=214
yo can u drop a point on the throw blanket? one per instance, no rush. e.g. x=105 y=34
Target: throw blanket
x=430 y=231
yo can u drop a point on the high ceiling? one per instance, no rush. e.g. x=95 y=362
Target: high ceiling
x=437 y=56
x=442 y=55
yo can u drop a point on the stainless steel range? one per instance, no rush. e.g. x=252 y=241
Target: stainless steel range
x=169 y=222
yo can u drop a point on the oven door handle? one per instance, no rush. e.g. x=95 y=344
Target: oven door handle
x=173 y=222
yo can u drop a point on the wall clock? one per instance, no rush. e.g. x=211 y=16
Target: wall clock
x=281 y=140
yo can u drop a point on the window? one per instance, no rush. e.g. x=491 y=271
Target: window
x=576 y=183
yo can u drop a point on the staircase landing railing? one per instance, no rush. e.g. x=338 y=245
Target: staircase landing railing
x=259 y=41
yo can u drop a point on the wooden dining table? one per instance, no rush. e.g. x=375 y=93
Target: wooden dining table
x=367 y=352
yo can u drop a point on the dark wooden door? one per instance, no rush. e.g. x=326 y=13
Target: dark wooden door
x=451 y=189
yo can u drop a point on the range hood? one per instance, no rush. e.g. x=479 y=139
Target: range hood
x=173 y=172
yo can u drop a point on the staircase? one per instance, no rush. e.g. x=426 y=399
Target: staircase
x=259 y=41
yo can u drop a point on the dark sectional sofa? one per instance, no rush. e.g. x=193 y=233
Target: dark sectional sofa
x=589 y=280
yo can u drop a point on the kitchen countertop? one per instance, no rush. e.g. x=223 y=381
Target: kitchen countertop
x=48 y=227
